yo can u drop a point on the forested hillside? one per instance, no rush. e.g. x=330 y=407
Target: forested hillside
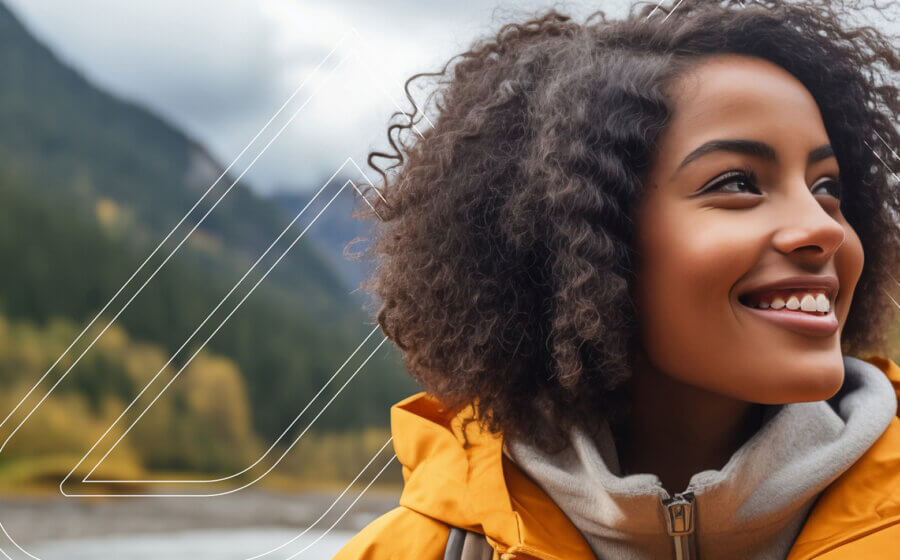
x=89 y=184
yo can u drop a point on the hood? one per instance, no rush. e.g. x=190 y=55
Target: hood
x=476 y=487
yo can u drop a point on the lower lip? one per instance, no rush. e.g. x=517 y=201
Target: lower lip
x=800 y=322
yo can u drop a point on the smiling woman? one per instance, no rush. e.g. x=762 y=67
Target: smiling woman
x=642 y=270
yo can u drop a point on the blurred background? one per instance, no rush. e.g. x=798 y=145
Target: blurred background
x=187 y=368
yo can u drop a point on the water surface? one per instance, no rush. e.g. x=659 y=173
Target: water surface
x=219 y=544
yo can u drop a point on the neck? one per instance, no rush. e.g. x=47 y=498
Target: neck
x=676 y=430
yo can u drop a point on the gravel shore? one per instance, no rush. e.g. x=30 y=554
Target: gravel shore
x=38 y=519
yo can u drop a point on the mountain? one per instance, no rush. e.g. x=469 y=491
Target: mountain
x=63 y=135
x=89 y=184
x=333 y=230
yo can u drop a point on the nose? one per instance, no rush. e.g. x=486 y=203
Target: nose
x=810 y=233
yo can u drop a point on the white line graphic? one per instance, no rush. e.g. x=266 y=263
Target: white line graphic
x=884 y=163
x=336 y=500
x=216 y=308
x=271 y=447
x=254 y=481
x=653 y=11
x=673 y=10
x=336 y=521
x=886 y=145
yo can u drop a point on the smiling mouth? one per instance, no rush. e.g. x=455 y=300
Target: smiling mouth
x=807 y=323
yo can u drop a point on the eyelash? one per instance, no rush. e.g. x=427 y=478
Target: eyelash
x=745 y=173
x=749 y=176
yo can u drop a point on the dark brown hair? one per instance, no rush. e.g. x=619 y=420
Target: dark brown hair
x=503 y=238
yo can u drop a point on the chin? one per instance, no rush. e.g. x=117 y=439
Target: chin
x=811 y=383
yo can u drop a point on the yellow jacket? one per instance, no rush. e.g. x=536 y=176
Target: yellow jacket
x=478 y=489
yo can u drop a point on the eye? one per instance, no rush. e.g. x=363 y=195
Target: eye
x=741 y=179
x=832 y=183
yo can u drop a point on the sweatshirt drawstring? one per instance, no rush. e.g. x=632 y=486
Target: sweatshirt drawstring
x=679 y=514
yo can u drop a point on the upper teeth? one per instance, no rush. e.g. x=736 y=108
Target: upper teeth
x=815 y=302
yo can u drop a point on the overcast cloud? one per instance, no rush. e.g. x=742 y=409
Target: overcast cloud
x=220 y=69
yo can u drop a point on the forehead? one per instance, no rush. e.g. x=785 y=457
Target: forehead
x=734 y=96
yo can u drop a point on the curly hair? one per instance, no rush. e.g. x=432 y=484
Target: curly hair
x=503 y=233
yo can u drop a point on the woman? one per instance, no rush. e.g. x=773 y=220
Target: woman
x=632 y=264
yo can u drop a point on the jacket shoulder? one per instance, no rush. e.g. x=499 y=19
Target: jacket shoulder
x=400 y=534
x=881 y=544
x=858 y=515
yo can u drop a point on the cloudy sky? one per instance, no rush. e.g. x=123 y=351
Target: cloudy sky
x=221 y=69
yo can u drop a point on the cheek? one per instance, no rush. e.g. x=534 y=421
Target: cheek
x=849 y=261
x=686 y=274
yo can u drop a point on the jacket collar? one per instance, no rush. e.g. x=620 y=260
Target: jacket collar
x=477 y=488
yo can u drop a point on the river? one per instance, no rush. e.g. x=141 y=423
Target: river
x=239 y=544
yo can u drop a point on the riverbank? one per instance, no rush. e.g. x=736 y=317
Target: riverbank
x=37 y=519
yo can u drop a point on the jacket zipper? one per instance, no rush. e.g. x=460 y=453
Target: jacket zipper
x=680 y=524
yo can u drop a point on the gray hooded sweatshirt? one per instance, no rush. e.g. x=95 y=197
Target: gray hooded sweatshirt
x=754 y=508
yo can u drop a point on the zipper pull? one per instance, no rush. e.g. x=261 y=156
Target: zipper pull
x=679 y=513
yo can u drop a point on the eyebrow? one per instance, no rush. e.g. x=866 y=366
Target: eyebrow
x=752 y=148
